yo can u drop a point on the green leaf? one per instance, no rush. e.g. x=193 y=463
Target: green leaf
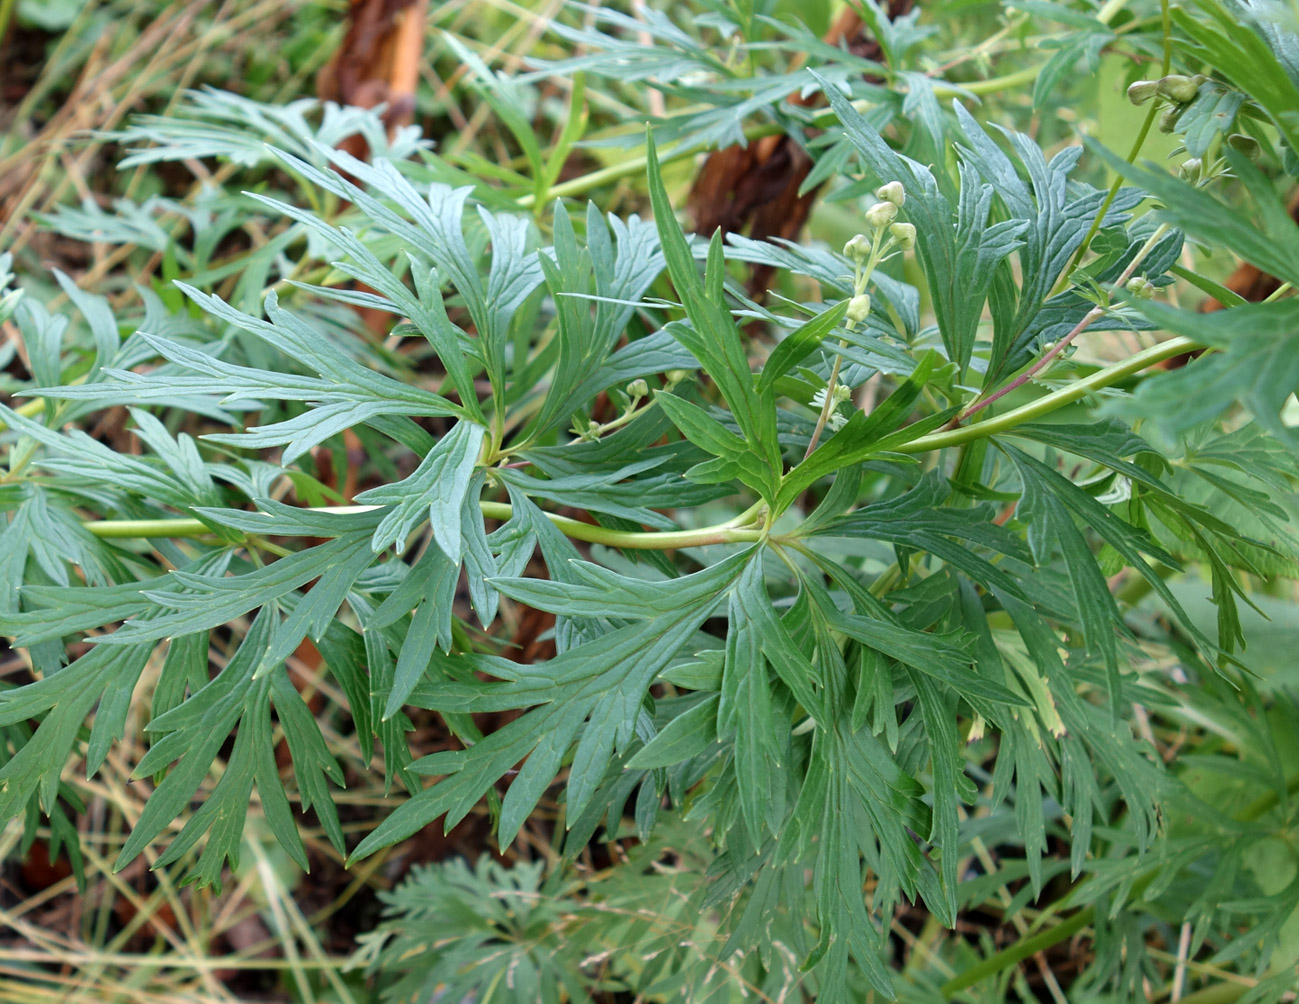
x=712 y=335
x=435 y=492
x=865 y=436
x=1257 y=366
x=601 y=682
x=795 y=346
x=1051 y=530
x=1266 y=238
x=710 y=435
x=688 y=735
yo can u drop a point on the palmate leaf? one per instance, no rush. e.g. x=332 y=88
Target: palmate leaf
x=1258 y=367
x=215 y=123
x=193 y=733
x=424 y=307
x=1059 y=219
x=590 y=693
x=620 y=272
x=1266 y=238
x=65 y=699
x=434 y=233
x=1051 y=530
x=712 y=335
x=959 y=261
x=105 y=680
x=435 y=493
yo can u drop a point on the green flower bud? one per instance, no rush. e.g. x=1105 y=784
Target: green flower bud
x=1168 y=118
x=1141 y=287
x=892 y=192
x=859 y=308
x=1190 y=169
x=904 y=234
x=881 y=215
x=858 y=249
x=1176 y=87
x=637 y=389
x=675 y=377
x=1247 y=145
x=841 y=393
x=1142 y=91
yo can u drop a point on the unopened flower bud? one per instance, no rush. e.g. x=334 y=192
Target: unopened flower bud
x=1190 y=169
x=675 y=377
x=858 y=249
x=859 y=308
x=842 y=393
x=904 y=234
x=637 y=389
x=1141 y=287
x=1142 y=91
x=1247 y=145
x=892 y=192
x=881 y=215
x=1168 y=118
x=1176 y=87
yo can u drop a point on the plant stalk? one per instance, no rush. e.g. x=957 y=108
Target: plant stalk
x=1088 y=319
x=741 y=529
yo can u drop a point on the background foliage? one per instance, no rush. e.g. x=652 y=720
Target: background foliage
x=898 y=632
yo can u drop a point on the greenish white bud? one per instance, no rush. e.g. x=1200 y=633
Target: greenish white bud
x=1141 y=287
x=904 y=234
x=881 y=215
x=892 y=192
x=1247 y=145
x=858 y=249
x=675 y=377
x=842 y=393
x=1176 y=87
x=859 y=308
x=1168 y=118
x=1142 y=91
x=637 y=389
x=1190 y=169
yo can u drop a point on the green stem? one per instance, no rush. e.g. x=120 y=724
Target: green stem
x=741 y=528
x=1050 y=402
x=1132 y=155
x=637 y=165
x=993 y=85
x=632 y=166
x=1219 y=993
x=1093 y=315
x=6 y=13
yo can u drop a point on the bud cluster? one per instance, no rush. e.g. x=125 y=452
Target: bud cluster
x=1141 y=287
x=1177 y=89
x=879 y=217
